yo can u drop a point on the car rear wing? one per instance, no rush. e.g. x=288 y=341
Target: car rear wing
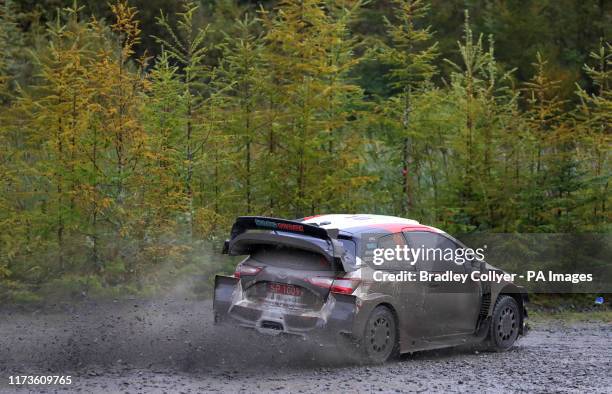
x=270 y=227
x=245 y=223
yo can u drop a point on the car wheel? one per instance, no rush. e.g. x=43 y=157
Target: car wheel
x=380 y=337
x=505 y=324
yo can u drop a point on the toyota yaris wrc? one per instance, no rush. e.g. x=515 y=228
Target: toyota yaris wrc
x=318 y=276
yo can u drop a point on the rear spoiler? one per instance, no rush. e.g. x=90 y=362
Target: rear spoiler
x=246 y=223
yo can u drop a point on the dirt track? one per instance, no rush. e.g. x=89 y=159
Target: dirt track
x=172 y=346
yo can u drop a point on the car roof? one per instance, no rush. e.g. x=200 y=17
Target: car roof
x=363 y=223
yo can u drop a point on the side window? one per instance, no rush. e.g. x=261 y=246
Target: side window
x=437 y=252
x=424 y=241
x=391 y=241
x=447 y=263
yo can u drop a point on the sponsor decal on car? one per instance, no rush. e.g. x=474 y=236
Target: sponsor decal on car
x=279 y=226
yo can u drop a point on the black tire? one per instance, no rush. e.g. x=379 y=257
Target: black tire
x=505 y=324
x=380 y=339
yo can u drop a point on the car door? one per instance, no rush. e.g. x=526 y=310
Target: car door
x=450 y=307
x=409 y=295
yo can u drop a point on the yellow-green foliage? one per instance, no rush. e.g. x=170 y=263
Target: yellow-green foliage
x=120 y=171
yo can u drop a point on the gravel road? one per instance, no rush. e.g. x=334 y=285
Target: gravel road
x=172 y=346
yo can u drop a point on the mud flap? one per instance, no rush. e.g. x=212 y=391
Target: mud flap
x=342 y=317
x=224 y=292
x=524 y=329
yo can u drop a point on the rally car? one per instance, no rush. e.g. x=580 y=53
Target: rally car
x=316 y=275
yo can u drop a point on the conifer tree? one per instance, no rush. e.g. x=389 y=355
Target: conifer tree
x=13 y=47
x=187 y=46
x=544 y=109
x=11 y=42
x=595 y=116
x=119 y=85
x=410 y=57
x=543 y=116
x=484 y=100
x=297 y=56
x=301 y=43
x=344 y=116
x=55 y=113
x=164 y=118
x=242 y=82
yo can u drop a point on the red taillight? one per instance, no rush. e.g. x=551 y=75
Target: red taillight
x=338 y=285
x=244 y=269
x=320 y=281
x=344 y=286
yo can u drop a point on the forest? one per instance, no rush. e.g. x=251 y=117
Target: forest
x=133 y=133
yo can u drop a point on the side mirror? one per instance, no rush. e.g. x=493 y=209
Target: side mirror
x=225 y=249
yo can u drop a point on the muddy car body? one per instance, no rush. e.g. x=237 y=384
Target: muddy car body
x=314 y=276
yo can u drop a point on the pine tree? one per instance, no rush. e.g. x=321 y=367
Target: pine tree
x=296 y=54
x=544 y=108
x=187 y=46
x=543 y=115
x=55 y=113
x=11 y=228
x=243 y=81
x=13 y=45
x=303 y=42
x=345 y=115
x=480 y=88
x=164 y=118
x=410 y=57
x=595 y=116
x=120 y=84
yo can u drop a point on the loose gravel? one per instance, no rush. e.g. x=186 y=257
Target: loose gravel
x=172 y=346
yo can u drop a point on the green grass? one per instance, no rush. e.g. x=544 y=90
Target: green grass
x=603 y=315
x=568 y=308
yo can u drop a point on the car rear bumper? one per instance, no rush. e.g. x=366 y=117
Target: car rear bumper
x=337 y=315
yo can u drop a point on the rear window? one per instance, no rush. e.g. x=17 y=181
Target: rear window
x=291 y=258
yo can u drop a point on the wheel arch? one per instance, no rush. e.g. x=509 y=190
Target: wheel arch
x=387 y=304
x=367 y=306
x=399 y=336
x=520 y=296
